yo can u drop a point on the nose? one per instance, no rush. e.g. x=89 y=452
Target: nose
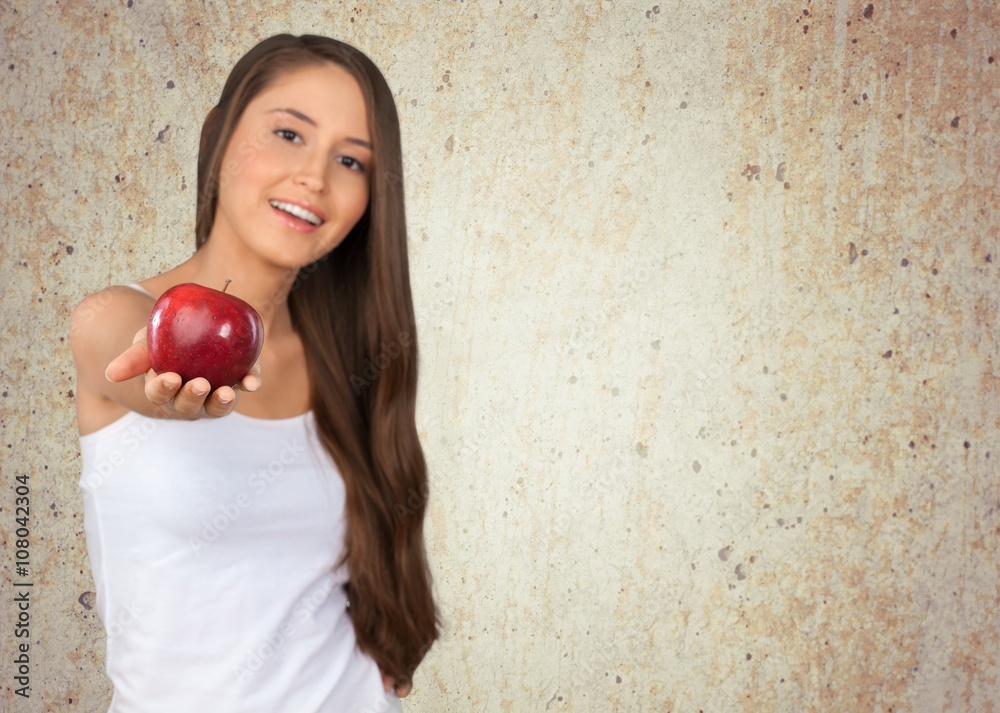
x=312 y=173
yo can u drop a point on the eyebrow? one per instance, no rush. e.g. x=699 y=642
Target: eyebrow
x=299 y=115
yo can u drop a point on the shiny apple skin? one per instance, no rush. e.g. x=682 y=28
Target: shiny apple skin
x=195 y=331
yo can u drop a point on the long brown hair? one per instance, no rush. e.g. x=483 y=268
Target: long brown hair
x=353 y=310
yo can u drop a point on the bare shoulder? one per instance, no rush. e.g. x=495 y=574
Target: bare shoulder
x=106 y=310
x=102 y=326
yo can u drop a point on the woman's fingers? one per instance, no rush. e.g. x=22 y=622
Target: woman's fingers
x=400 y=689
x=221 y=402
x=161 y=388
x=132 y=362
x=251 y=382
x=166 y=389
x=191 y=397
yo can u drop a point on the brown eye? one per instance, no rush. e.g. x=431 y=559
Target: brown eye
x=352 y=163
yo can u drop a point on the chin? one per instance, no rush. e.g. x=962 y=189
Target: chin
x=289 y=253
x=294 y=263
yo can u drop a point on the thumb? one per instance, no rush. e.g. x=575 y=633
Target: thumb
x=132 y=362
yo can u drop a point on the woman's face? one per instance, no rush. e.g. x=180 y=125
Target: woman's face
x=294 y=178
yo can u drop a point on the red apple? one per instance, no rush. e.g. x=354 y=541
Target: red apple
x=197 y=331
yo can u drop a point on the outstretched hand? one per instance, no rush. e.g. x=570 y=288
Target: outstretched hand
x=189 y=400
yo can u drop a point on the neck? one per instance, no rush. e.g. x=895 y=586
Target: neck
x=263 y=285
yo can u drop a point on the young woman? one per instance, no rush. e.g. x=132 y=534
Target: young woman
x=263 y=551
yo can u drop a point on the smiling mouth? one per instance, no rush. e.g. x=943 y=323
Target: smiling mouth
x=297 y=211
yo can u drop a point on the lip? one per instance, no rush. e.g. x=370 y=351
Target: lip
x=303 y=204
x=293 y=223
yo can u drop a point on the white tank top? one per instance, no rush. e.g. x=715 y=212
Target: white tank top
x=213 y=545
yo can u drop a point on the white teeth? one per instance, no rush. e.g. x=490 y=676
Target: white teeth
x=297 y=211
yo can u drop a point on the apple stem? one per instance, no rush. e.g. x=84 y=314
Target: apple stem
x=226 y=286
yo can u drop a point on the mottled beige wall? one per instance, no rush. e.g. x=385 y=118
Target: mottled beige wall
x=706 y=295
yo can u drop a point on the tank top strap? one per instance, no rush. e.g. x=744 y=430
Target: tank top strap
x=140 y=288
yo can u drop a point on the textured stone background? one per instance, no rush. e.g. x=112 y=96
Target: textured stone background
x=707 y=298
